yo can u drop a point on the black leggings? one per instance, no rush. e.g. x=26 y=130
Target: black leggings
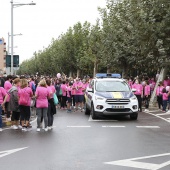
x=25 y=112
x=139 y=101
x=160 y=102
x=63 y=101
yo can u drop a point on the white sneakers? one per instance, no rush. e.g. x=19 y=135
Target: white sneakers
x=38 y=129
x=0 y=129
x=46 y=129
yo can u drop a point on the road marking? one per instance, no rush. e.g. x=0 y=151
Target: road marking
x=142 y=165
x=147 y=126
x=78 y=126
x=113 y=126
x=161 y=114
x=155 y=111
x=8 y=152
x=158 y=117
x=99 y=120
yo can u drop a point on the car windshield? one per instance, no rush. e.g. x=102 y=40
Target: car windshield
x=112 y=86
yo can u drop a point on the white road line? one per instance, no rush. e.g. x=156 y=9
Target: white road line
x=154 y=111
x=133 y=162
x=159 y=117
x=161 y=114
x=147 y=126
x=92 y=120
x=78 y=126
x=113 y=126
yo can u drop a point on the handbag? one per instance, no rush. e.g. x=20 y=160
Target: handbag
x=55 y=99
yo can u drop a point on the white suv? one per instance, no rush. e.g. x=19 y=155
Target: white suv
x=108 y=94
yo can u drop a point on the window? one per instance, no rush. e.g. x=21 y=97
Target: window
x=112 y=86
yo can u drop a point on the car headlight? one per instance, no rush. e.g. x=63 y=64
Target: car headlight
x=99 y=98
x=133 y=98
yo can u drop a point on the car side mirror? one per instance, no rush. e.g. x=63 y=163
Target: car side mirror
x=90 y=90
x=133 y=90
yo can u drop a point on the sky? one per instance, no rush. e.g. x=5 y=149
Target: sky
x=40 y=23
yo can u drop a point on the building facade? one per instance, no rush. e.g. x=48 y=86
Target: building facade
x=2 y=56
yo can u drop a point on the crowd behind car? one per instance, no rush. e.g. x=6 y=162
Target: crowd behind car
x=19 y=94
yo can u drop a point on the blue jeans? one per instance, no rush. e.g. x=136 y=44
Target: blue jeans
x=0 y=116
x=165 y=104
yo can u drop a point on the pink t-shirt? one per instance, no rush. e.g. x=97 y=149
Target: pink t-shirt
x=7 y=86
x=42 y=94
x=147 y=90
x=139 y=88
x=159 y=90
x=78 y=88
x=130 y=84
x=165 y=96
x=2 y=94
x=27 y=93
x=64 y=89
x=51 y=90
x=69 y=91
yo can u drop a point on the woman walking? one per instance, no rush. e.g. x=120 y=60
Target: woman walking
x=42 y=95
x=25 y=94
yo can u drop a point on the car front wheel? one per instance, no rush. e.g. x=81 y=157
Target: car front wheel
x=134 y=116
x=93 y=114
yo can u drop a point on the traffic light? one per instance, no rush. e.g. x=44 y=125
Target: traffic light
x=15 y=60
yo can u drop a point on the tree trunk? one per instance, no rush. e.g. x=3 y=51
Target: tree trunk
x=78 y=72
x=95 y=69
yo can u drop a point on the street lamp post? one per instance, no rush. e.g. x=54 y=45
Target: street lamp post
x=9 y=41
x=12 y=43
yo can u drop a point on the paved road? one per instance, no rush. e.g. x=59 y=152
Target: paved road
x=78 y=143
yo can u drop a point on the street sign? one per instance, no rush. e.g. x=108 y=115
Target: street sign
x=15 y=60
x=133 y=163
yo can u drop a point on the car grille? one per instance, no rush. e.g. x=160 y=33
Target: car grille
x=118 y=101
x=118 y=110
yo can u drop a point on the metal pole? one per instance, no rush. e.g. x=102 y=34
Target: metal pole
x=8 y=44
x=12 y=37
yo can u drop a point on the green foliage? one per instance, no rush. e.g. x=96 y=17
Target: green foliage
x=133 y=36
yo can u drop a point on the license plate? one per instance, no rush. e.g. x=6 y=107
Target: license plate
x=117 y=107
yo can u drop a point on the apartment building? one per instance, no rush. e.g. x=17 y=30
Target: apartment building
x=2 y=56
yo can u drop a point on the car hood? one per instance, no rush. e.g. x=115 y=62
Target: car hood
x=115 y=95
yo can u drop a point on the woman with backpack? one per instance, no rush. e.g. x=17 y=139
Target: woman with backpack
x=13 y=104
x=25 y=94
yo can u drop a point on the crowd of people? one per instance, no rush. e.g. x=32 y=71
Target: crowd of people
x=144 y=87
x=19 y=95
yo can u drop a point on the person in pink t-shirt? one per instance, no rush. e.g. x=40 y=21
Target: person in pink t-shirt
x=147 y=93
x=25 y=94
x=64 y=95
x=138 y=93
x=3 y=98
x=69 y=97
x=42 y=94
x=159 y=94
x=165 y=99
x=7 y=86
x=79 y=96
x=51 y=105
